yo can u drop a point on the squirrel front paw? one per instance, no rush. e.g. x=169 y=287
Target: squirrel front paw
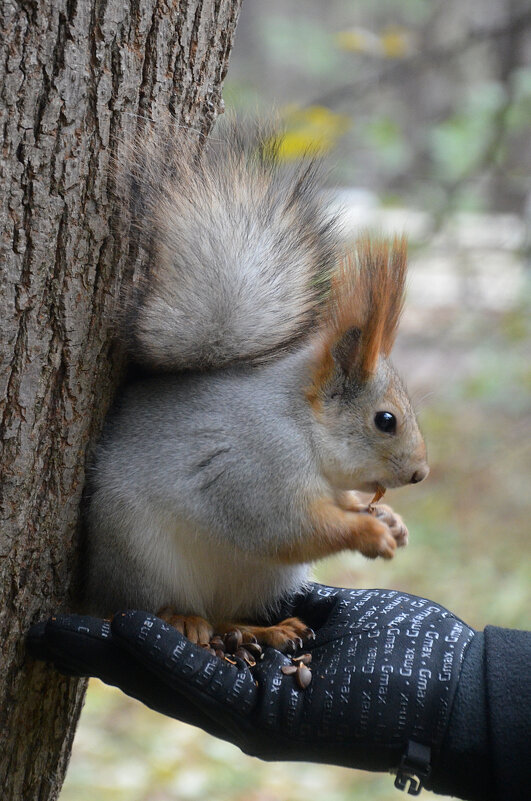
x=373 y=538
x=377 y=531
x=393 y=521
x=395 y=527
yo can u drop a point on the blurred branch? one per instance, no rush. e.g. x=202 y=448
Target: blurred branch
x=398 y=72
x=488 y=158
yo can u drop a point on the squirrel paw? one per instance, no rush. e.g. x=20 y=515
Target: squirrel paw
x=376 y=531
x=352 y=502
x=288 y=635
x=375 y=539
x=195 y=628
x=393 y=521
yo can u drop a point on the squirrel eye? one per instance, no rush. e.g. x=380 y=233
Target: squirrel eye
x=385 y=421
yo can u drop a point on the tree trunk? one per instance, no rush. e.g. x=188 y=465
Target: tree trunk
x=74 y=76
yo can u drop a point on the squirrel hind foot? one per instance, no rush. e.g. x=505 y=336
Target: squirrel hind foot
x=289 y=635
x=198 y=630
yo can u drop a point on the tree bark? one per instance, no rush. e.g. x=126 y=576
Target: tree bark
x=74 y=77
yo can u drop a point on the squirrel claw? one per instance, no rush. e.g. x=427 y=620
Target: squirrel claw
x=288 y=635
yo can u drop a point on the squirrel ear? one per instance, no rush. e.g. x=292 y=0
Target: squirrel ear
x=346 y=351
x=361 y=314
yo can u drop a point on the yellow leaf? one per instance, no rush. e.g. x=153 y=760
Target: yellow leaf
x=395 y=42
x=359 y=40
x=312 y=131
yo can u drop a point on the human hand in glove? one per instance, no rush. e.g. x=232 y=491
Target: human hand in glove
x=385 y=670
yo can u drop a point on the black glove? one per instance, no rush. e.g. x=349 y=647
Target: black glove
x=385 y=669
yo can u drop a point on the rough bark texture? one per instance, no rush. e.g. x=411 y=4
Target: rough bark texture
x=74 y=76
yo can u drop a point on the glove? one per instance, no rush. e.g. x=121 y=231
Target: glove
x=385 y=668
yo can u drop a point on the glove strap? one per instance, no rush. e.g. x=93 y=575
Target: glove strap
x=414 y=768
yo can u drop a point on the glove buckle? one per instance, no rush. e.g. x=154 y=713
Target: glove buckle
x=414 y=768
x=401 y=780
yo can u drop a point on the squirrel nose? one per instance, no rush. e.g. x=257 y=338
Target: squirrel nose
x=420 y=474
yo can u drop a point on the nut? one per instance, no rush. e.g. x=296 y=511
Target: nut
x=244 y=654
x=303 y=676
x=233 y=640
x=378 y=495
x=304 y=658
x=288 y=670
x=254 y=649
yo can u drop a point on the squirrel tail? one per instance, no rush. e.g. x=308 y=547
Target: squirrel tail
x=240 y=248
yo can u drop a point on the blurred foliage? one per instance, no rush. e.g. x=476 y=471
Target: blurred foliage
x=299 y=42
x=438 y=93
x=124 y=752
x=312 y=131
x=393 y=42
x=458 y=143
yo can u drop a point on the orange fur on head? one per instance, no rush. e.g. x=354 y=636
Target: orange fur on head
x=361 y=316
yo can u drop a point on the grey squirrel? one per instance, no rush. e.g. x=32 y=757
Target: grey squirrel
x=232 y=464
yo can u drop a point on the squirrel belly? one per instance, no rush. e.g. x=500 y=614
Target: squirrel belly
x=199 y=480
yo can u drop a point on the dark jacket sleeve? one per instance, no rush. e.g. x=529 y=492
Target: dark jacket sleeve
x=508 y=663
x=486 y=754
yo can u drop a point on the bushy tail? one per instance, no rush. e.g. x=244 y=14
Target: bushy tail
x=240 y=248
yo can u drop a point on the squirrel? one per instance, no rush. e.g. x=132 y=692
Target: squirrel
x=266 y=398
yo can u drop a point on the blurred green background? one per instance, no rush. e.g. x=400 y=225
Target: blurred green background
x=424 y=111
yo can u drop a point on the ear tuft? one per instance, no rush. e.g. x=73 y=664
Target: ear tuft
x=361 y=316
